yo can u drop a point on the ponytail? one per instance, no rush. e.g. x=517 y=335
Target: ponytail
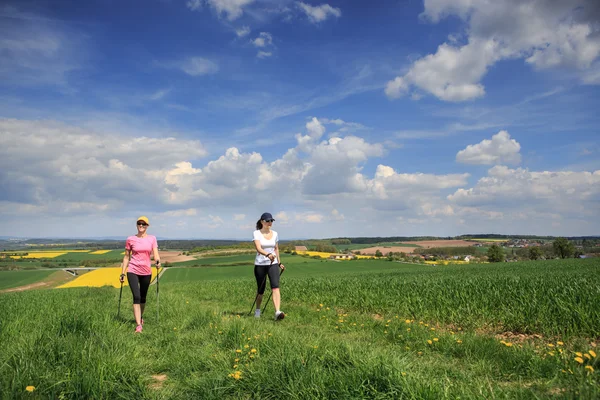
x=258 y=225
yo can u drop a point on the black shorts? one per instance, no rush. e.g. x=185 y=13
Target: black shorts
x=260 y=273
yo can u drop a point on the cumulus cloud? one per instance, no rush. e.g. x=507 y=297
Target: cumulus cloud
x=233 y=9
x=243 y=31
x=264 y=54
x=545 y=34
x=320 y=13
x=61 y=164
x=501 y=149
x=264 y=39
x=565 y=192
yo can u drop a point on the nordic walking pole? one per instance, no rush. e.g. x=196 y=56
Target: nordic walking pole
x=157 y=298
x=120 y=294
x=270 y=293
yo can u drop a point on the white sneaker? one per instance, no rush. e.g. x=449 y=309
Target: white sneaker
x=279 y=315
x=257 y=313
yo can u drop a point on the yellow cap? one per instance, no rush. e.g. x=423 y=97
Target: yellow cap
x=144 y=218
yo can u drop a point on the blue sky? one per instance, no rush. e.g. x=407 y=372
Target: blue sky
x=341 y=118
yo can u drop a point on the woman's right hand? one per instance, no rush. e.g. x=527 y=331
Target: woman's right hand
x=271 y=257
x=122 y=278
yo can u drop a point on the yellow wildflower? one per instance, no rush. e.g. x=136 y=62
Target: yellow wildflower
x=430 y=342
x=579 y=360
x=407 y=321
x=235 y=366
x=579 y=354
x=238 y=351
x=407 y=329
x=589 y=368
x=321 y=305
x=592 y=353
x=30 y=388
x=253 y=350
x=550 y=345
x=586 y=355
x=403 y=373
x=459 y=341
x=560 y=343
x=246 y=346
x=508 y=344
x=236 y=360
x=435 y=339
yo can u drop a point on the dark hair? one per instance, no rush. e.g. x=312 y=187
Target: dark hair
x=259 y=225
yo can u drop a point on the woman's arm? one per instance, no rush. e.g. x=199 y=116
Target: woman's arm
x=156 y=256
x=260 y=250
x=124 y=264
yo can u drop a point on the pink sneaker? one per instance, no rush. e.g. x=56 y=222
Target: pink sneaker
x=138 y=329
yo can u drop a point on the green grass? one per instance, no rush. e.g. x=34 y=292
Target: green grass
x=10 y=279
x=345 y=335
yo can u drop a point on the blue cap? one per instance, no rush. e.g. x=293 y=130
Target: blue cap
x=267 y=217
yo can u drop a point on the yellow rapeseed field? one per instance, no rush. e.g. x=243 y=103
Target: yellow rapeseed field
x=324 y=255
x=41 y=254
x=100 y=251
x=100 y=277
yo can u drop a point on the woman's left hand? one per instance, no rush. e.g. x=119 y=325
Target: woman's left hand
x=282 y=266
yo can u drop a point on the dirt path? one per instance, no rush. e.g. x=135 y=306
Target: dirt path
x=53 y=280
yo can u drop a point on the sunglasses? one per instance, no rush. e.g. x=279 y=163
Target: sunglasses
x=142 y=224
x=269 y=220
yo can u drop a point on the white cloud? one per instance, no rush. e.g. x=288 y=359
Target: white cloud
x=544 y=34
x=264 y=39
x=243 y=31
x=264 y=54
x=198 y=66
x=239 y=217
x=194 y=5
x=233 y=9
x=572 y=194
x=320 y=13
x=501 y=149
x=159 y=94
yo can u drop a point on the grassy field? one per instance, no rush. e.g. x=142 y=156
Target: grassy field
x=10 y=279
x=354 y=330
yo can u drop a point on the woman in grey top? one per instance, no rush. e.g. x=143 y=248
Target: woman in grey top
x=267 y=262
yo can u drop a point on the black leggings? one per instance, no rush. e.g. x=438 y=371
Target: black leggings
x=260 y=273
x=139 y=285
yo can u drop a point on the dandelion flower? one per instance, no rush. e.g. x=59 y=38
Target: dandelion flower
x=586 y=355
x=246 y=346
x=238 y=351
x=253 y=351
x=407 y=321
x=236 y=360
x=579 y=360
x=508 y=344
x=403 y=373
x=459 y=341
x=30 y=388
x=560 y=343
x=315 y=347
x=592 y=353
x=433 y=329
x=235 y=366
x=435 y=339
x=579 y=354
x=550 y=345
x=589 y=368
x=430 y=342
x=321 y=305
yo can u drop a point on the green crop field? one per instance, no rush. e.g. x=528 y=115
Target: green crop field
x=10 y=279
x=354 y=330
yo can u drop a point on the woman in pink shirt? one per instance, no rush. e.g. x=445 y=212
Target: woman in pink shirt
x=138 y=249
